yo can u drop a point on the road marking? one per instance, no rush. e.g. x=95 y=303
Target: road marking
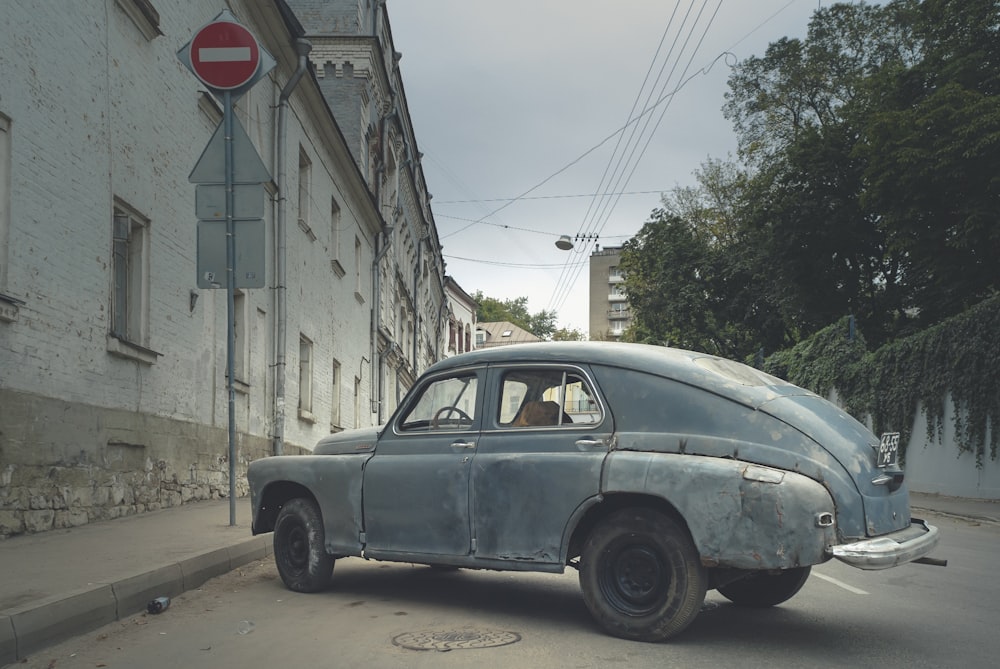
x=840 y=584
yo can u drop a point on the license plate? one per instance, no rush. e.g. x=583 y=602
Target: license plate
x=888 y=450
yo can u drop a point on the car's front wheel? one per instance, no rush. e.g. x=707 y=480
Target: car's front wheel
x=763 y=589
x=641 y=575
x=299 y=553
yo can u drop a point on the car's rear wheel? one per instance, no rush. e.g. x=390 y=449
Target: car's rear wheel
x=299 y=553
x=641 y=575
x=764 y=589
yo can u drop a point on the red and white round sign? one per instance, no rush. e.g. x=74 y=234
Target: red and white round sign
x=224 y=55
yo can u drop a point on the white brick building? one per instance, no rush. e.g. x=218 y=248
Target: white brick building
x=113 y=389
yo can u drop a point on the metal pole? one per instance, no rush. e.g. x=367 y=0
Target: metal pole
x=227 y=119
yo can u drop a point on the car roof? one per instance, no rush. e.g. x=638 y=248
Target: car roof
x=726 y=377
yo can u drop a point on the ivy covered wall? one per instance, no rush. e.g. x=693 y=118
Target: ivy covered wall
x=957 y=360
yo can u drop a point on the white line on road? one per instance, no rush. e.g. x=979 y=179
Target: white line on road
x=841 y=584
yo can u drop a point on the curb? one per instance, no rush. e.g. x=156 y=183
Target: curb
x=959 y=515
x=34 y=626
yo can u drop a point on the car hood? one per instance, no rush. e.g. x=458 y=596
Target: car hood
x=349 y=441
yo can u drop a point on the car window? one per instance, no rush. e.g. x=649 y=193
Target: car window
x=444 y=404
x=546 y=398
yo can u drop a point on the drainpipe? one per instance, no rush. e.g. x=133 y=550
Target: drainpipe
x=416 y=302
x=382 y=244
x=302 y=48
x=437 y=325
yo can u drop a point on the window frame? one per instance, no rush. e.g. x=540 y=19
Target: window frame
x=306 y=397
x=466 y=380
x=504 y=413
x=335 y=395
x=129 y=302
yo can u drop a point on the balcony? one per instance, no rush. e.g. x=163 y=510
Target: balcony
x=617 y=297
x=618 y=314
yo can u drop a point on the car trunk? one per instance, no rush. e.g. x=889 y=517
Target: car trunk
x=886 y=505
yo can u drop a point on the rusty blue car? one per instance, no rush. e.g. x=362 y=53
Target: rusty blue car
x=657 y=473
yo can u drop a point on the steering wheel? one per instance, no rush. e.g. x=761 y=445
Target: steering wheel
x=462 y=416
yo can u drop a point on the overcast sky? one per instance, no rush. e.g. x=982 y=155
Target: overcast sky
x=512 y=98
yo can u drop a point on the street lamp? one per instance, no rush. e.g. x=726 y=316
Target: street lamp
x=564 y=243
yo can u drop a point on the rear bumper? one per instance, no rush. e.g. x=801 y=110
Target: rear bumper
x=889 y=550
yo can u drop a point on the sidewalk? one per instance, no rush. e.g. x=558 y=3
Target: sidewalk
x=67 y=582
x=973 y=509
x=61 y=583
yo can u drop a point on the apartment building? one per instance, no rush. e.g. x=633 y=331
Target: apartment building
x=609 y=310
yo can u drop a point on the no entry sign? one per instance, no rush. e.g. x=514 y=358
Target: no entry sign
x=224 y=55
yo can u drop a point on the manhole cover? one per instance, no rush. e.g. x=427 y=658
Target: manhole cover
x=455 y=639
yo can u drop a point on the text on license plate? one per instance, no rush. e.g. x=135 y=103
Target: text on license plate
x=888 y=450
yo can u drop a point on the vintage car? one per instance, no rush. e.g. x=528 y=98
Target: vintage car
x=657 y=473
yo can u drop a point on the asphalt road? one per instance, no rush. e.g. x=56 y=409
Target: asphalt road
x=911 y=616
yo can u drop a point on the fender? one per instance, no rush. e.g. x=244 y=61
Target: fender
x=741 y=515
x=333 y=480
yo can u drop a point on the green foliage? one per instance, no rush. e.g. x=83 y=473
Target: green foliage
x=958 y=358
x=566 y=334
x=491 y=310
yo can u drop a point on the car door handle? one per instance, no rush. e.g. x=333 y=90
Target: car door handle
x=583 y=444
x=463 y=444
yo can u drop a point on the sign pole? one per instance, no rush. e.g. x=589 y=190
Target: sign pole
x=227 y=116
x=227 y=58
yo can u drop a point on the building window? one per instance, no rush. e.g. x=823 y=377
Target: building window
x=4 y=198
x=304 y=170
x=357 y=402
x=305 y=377
x=451 y=335
x=240 y=336
x=143 y=15
x=335 y=398
x=468 y=338
x=357 y=270
x=335 y=263
x=130 y=254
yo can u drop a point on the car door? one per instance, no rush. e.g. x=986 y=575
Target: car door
x=416 y=486
x=533 y=468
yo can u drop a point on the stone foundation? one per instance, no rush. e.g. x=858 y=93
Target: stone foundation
x=64 y=465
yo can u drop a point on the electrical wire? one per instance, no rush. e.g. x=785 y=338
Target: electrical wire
x=625 y=166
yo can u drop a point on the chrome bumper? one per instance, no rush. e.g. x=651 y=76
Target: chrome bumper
x=889 y=550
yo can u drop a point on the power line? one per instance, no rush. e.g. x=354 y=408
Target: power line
x=622 y=168
x=547 y=233
x=507 y=264
x=547 y=197
x=564 y=290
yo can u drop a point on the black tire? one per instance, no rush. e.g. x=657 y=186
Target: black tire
x=299 y=551
x=762 y=589
x=641 y=576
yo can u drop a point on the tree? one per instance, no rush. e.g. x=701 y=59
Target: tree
x=868 y=185
x=931 y=146
x=800 y=114
x=492 y=310
x=874 y=149
x=565 y=334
